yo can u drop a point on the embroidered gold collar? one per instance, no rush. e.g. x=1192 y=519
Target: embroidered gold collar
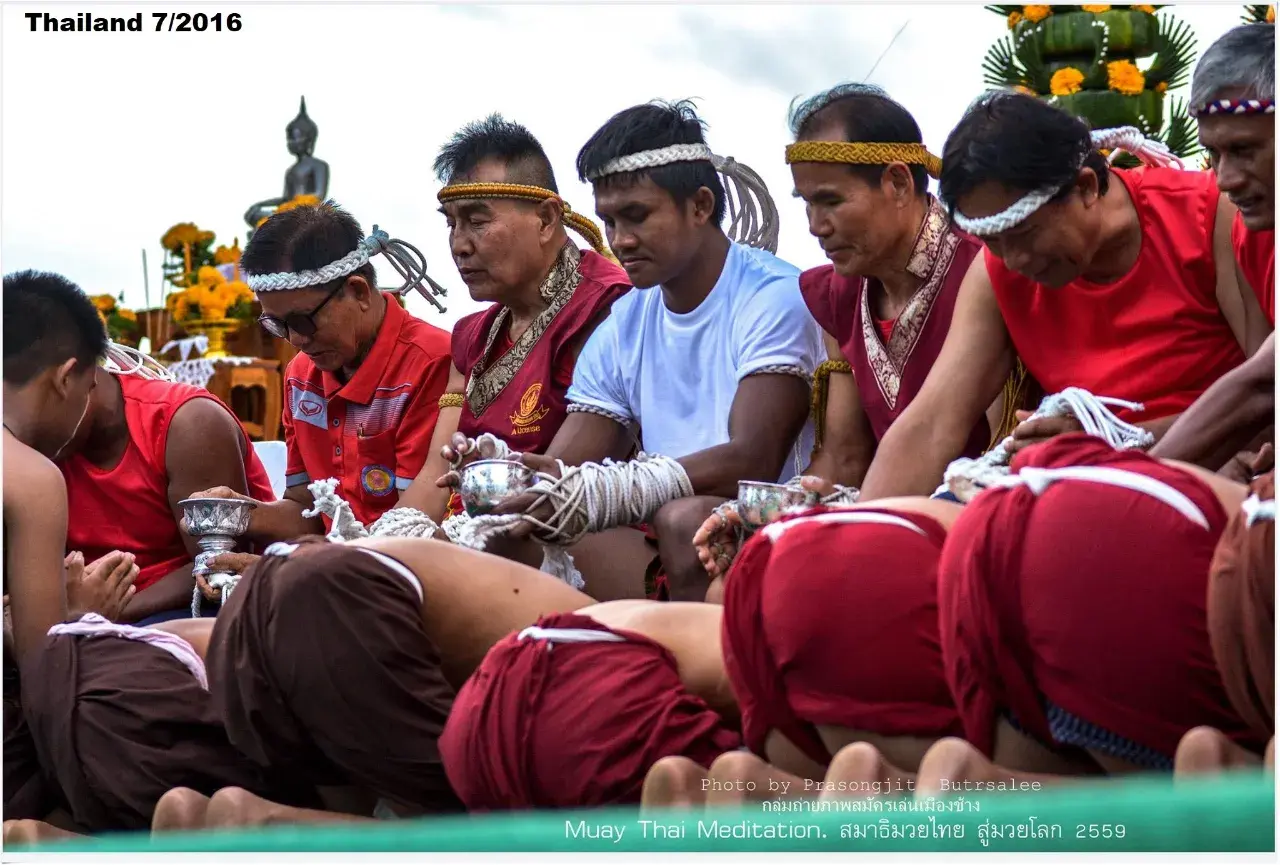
x=930 y=259
x=487 y=381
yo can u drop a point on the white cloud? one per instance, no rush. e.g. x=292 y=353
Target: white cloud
x=110 y=138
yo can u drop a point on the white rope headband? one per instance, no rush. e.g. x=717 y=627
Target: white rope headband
x=125 y=360
x=404 y=257
x=752 y=213
x=1127 y=138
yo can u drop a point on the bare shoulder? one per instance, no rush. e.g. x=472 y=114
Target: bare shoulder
x=201 y=416
x=944 y=512
x=1229 y=493
x=672 y=623
x=27 y=466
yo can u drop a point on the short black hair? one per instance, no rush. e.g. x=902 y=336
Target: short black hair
x=305 y=238
x=47 y=319
x=1020 y=142
x=863 y=112
x=497 y=138
x=652 y=126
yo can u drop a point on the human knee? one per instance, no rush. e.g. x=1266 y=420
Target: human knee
x=180 y=809
x=236 y=806
x=677 y=521
x=736 y=766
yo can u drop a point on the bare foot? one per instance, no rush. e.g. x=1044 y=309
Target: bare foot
x=674 y=782
x=951 y=762
x=856 y=769
x=181 y=809
x=740 y=776
x=1206 y=751
x=948 y=761
x=235 y=806
x=18 y=832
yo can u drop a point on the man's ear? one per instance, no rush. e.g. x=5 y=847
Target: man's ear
x=550 y=217
x=702 y=206
x=1087 y=186
x=360 y=290
x=62 y=374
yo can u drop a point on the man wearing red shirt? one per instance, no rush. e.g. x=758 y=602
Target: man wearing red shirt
x=1118 y=282
x=362 y=398
x=1233 y=100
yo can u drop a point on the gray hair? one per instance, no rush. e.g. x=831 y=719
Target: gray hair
x=1241 y=63
x=802 y=113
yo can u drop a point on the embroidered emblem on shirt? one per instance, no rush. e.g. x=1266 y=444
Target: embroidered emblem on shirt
x=529 y=413
x=308 y=407
x=377 y=480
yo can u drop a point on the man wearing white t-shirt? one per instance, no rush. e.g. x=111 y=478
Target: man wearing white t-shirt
x=712 y=358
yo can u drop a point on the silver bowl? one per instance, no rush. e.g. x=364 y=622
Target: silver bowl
x=226 y=517
x=486 y=483
x=761 y=503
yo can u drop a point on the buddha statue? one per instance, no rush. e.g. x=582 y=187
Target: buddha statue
x=307 y=176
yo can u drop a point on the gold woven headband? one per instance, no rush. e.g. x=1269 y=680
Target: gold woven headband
x=572 y=218
x=863 y=153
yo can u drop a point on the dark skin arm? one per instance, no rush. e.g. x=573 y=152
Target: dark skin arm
x=1228 y=416
x=758 y=447
x=206 y=448
x=848 y=444
x=967 y=377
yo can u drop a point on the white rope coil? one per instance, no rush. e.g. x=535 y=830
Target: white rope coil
x=408 y=261
x=753 y=215
x=1122 y=138
x=965 y=478
x=126 y=360
x=1258 y=510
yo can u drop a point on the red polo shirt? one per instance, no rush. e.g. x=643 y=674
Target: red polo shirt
x=373 y=432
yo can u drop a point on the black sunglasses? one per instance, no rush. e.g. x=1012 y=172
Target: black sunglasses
x=301 y=323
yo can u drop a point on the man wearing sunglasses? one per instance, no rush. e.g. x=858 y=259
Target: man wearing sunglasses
x=362 y=397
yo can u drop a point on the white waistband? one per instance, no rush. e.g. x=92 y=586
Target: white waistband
x=570 y=635
x=399 y=568
x=1258 y=510
x=280 y=548
x=1038 y=480
x=94 y=625
x=773 y=531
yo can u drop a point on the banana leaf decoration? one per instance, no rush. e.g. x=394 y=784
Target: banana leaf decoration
x=1084 y=59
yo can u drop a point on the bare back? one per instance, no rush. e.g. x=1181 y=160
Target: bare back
x=474 y=599
x=689 y=631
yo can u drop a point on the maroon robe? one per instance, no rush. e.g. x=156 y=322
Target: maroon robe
x=890 y=375
x=519 y=396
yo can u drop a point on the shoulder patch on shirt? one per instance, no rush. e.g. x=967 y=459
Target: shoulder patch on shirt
x=308 y=407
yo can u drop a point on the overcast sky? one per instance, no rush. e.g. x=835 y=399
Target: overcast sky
x=110 y=138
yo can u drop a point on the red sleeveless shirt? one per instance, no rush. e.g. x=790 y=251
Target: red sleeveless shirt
x=126 y=508
x=1155 y=335
x=1256 y=255
x=890 y=363
x=521 y=395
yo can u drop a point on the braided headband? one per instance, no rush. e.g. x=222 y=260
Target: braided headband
x=753 y=215
x=572 y=218
x=404 y=257
x=1127 y=138
x=864 y=153
x=1234 y=106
